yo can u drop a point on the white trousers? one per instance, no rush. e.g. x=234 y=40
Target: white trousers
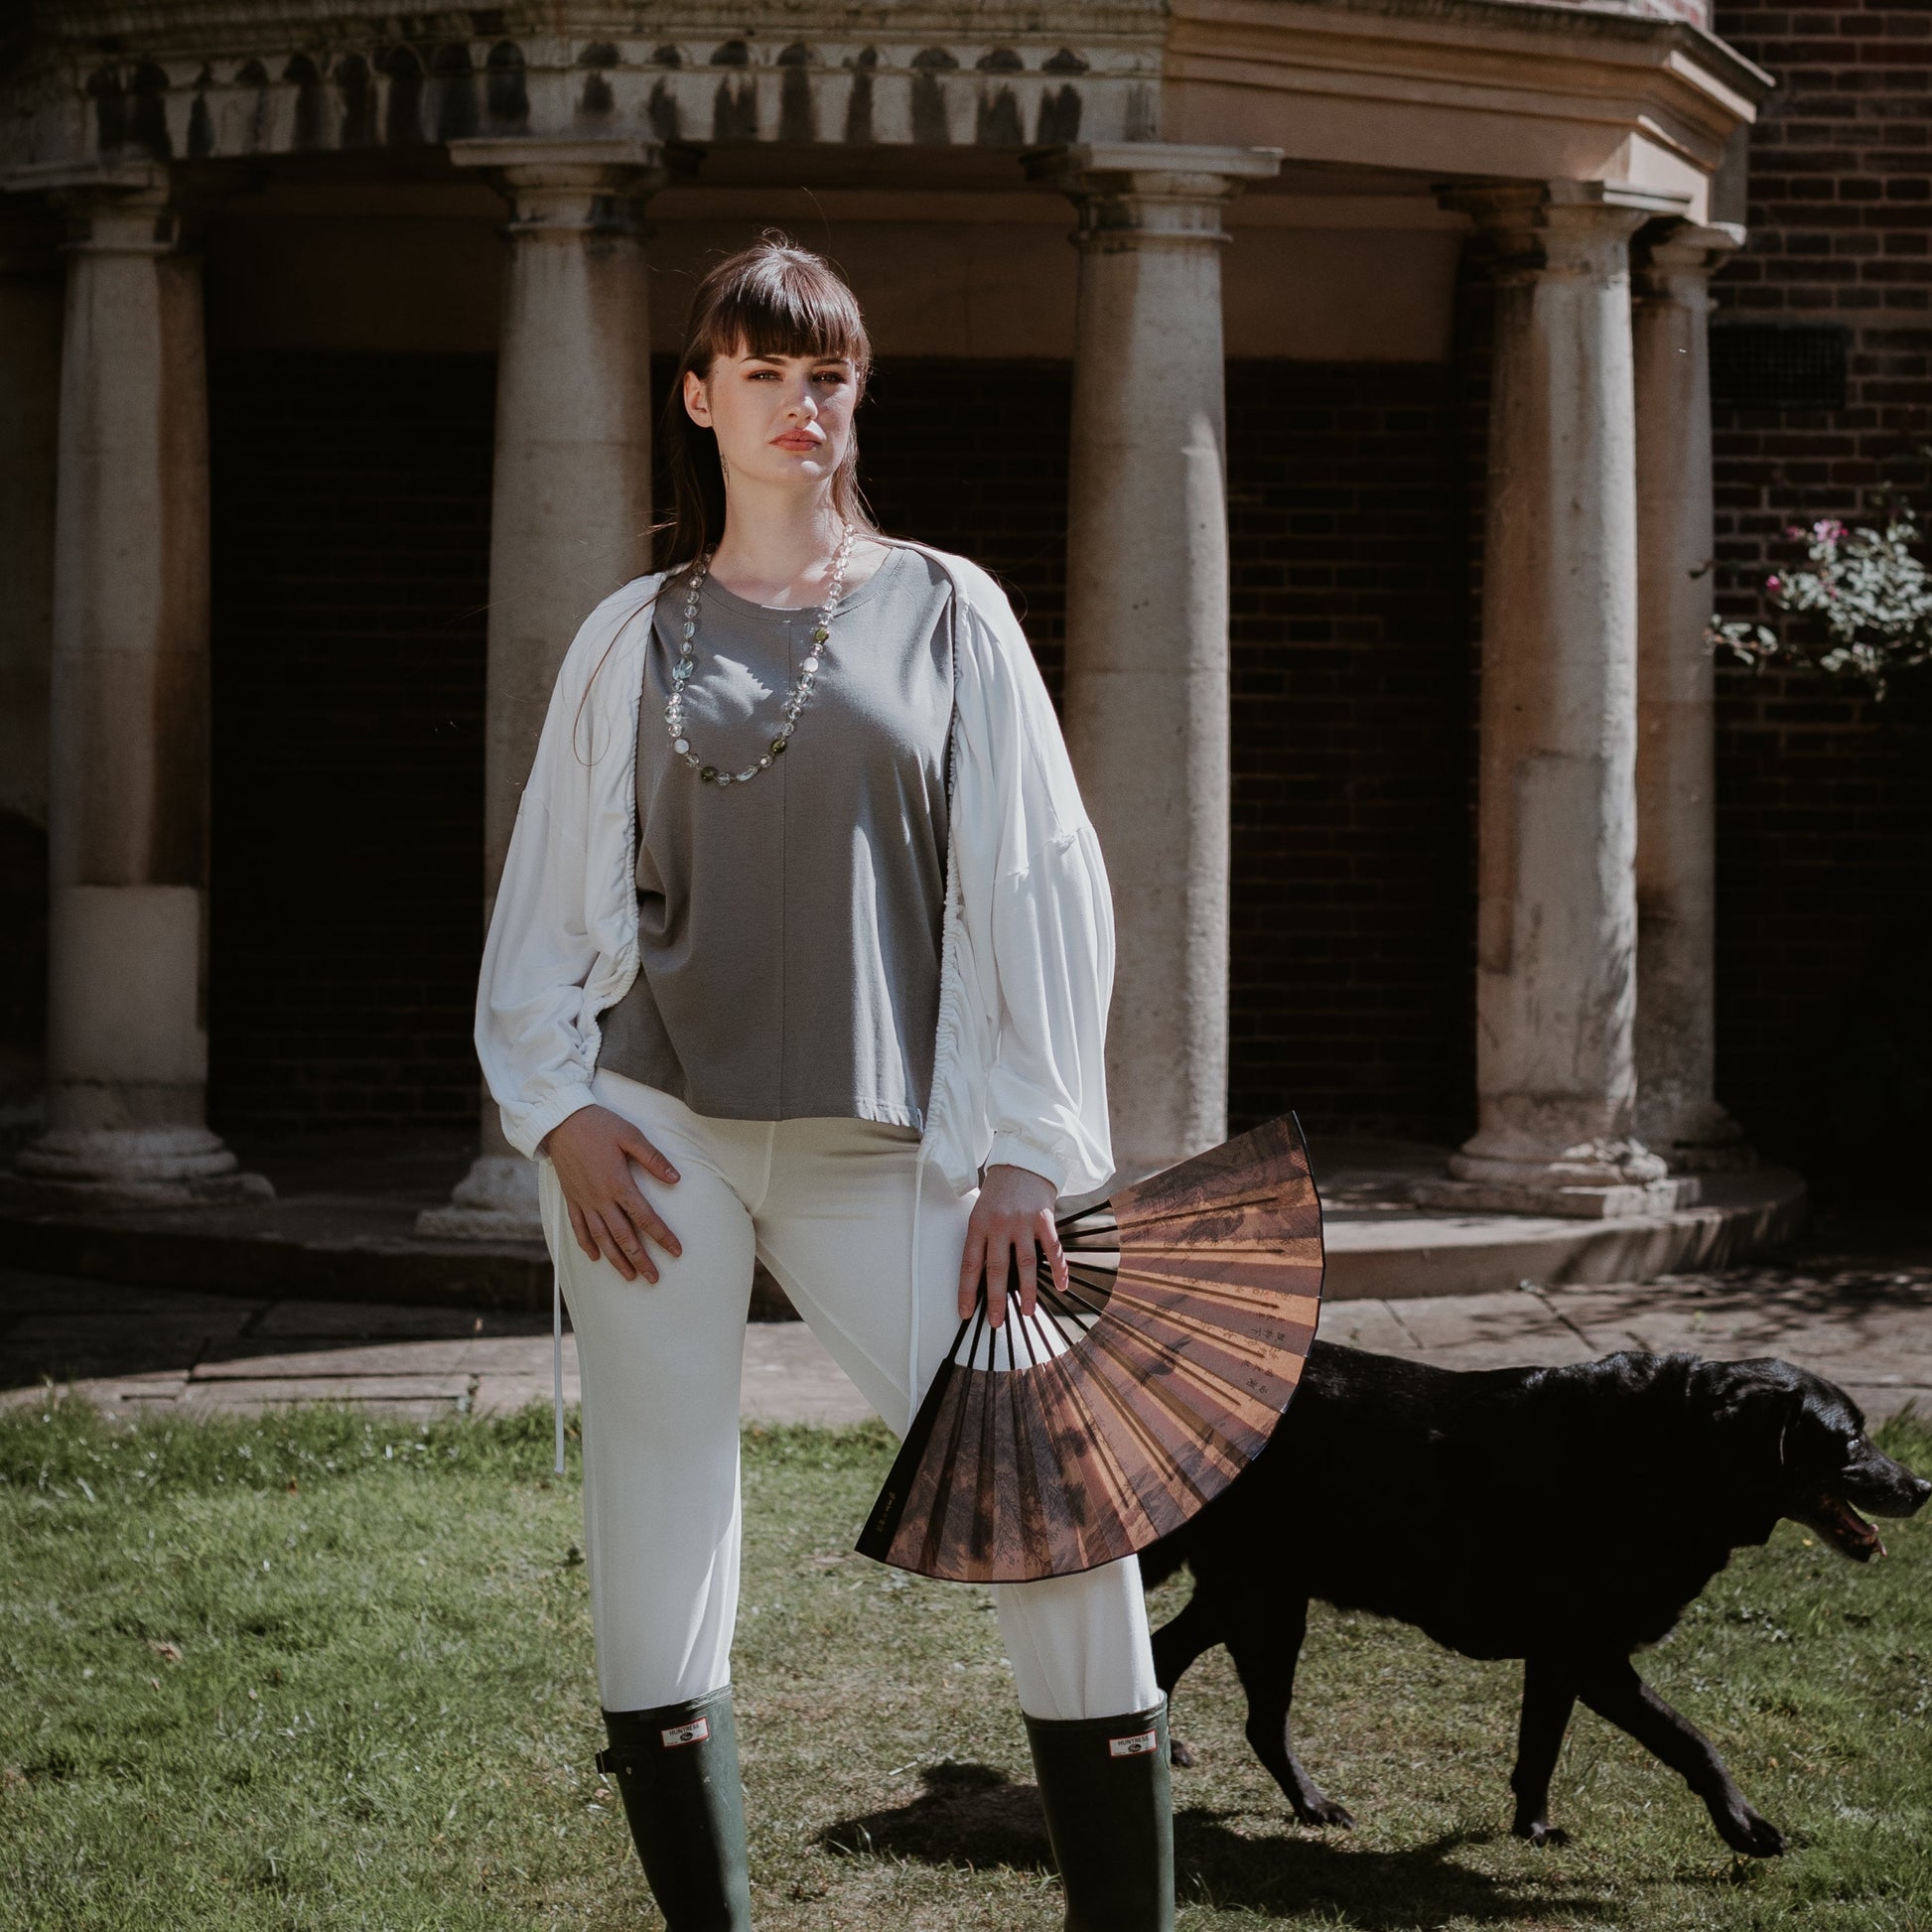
x=828 y=1206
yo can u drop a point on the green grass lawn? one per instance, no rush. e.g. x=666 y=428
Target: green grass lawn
x=326 y=1672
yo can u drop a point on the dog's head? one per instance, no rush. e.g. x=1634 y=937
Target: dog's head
x=1799 y=1446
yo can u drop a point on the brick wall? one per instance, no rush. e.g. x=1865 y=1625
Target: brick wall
x=1825 y=799
x=1351 y=979
x=351 y=554
x=972 y=457
x=1351 y=986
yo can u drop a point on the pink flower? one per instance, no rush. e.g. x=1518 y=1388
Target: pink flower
x=1774 y=582
x=1794 y=530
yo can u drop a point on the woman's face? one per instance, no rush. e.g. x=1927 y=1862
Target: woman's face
x=779 y=419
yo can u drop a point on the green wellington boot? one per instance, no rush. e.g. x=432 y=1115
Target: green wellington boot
x=676 y=1769
x=1104 y=1784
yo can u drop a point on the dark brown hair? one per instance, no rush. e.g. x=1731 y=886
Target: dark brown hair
x=770 y=297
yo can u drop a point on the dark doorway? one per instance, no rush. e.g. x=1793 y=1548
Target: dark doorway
x=350 y=560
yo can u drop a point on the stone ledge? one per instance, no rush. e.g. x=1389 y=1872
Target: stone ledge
x=346 y=1247
x=1617 y=1202
x=1394 y=1252
x=339 y=1250
x=41 y=1195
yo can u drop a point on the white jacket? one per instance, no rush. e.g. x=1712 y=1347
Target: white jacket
x=1027 y=960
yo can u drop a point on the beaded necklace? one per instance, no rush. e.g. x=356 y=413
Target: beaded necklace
x=801 y=688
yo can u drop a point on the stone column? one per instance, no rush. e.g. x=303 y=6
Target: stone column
x=1678 y=1115
x=570 y=503
x=128 y=715
x=1557 y=914
x=1145 y=701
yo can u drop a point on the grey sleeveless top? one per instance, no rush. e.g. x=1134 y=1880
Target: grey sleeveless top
x=788 y=928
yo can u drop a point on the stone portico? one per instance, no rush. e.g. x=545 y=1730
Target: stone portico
x=1141 y=192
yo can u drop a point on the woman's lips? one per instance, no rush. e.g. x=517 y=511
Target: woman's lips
x=797 y=441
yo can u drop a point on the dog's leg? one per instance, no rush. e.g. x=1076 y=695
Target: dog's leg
x=1266 y=1644
x=1617 y=1693
x=1177 y=1644
x=1549 y=1697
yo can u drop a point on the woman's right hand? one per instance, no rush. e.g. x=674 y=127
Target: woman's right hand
x=592 y=1150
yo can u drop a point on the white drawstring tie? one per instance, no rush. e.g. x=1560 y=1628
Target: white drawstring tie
x=557 y=1358
x=912 y=1276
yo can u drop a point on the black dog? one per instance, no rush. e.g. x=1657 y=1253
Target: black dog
x=1566 y=1516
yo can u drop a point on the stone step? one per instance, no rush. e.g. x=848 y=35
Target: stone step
x=352 y=1247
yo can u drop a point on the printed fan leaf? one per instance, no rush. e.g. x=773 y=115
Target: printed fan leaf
x=1134 y=1398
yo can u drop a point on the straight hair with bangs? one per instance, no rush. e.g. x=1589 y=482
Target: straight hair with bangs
x=772 y=298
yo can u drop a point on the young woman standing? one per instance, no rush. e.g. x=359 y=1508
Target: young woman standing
x=802 y=952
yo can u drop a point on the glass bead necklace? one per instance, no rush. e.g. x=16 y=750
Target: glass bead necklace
x=801 y=688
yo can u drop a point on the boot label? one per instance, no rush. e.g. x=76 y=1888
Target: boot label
x=1130 y=1746
x=695 y=1733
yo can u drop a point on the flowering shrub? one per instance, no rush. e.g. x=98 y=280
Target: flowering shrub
x=1869 y=597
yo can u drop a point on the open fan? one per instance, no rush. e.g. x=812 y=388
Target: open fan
x=1056 y=1444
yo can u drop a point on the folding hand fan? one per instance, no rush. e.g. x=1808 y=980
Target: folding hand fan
x=1056 y=1444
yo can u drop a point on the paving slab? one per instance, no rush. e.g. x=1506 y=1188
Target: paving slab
x=1505 y=1318
x=505 y=1395
x=1370 y=1324
x=476 y=1355
x=1861 y=1317
x=789 y=1377
x=451 y=1391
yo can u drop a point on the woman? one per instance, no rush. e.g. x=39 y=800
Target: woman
x=802 y=952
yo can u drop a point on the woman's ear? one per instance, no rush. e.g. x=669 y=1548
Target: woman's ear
x=696 y=404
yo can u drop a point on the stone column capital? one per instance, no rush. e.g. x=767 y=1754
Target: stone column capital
x=116 y=207
x=567 y=187
x=1544 y=228
x=1673 y=260
x=1140 y=193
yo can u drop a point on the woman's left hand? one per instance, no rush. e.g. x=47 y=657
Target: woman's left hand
x=1014 y=1212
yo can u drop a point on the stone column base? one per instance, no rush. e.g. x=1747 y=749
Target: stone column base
x=1714 y=1143
x=132 y=1167
x=1594 y=1179
x=497 y=1200
x=1606 y=1201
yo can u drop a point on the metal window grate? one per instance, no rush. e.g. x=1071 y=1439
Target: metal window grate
x=1777 y=365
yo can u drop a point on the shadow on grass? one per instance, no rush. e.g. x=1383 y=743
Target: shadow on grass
x=974 y=1816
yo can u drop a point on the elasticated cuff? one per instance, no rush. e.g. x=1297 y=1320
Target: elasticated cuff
x=1010 y=1151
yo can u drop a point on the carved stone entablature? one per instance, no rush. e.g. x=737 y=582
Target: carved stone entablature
x=304 y=81
x=1626 y=91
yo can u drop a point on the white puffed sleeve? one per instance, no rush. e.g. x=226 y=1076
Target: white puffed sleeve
x=1036 y=904
x=541 y=948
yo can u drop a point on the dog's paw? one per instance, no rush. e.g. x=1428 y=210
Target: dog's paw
x=1745 y=1831
x=1178 y=1754
x=1319 y=1810
x=1539 y=1833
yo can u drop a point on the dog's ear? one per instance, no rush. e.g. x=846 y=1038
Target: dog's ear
x=1752 y=1403
x=1751 y=1411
